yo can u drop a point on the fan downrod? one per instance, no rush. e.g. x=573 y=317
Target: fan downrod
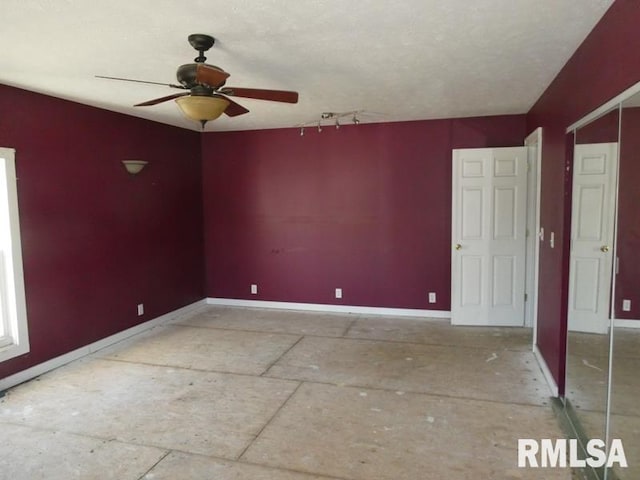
x=201 y=42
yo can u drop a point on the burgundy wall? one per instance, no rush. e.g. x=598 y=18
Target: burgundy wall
x=366 y=208
x=97 y=241
x=628 y=278
x=606 y=63
x=601 y=130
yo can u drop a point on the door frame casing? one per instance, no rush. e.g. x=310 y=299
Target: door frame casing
x=536 y=237
x=532 y=273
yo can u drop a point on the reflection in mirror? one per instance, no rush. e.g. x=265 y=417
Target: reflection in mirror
x=624 y=421
x=595 y=157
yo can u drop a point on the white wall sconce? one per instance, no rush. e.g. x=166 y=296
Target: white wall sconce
x=134 y=166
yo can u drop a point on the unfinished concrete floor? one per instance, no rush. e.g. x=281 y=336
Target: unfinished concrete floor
x=247 y=394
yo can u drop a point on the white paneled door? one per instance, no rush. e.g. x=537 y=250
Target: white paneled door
x=592 y=229
x=489 y=236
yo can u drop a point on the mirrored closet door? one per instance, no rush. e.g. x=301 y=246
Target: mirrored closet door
x=602 y=397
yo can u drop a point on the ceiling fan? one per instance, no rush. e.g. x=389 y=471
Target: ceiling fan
x=207 y=97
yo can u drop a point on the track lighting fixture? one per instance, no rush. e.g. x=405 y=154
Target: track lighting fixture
x=328 y=116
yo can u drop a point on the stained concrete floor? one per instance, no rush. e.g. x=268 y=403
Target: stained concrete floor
x=248 y=394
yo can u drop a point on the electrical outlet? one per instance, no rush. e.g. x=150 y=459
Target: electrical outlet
x=432 y=297
x=552 y=240
x=254 y=289
x=140 y=309
x=626 y=305
x=338 y=293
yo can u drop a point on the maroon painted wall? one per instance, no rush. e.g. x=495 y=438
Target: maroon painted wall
x=365 y=208
x=628 y=278
x=606 y=63
x=601 y=130
x=97 y=241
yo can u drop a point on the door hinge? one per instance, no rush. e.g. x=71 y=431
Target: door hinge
x=526 y=297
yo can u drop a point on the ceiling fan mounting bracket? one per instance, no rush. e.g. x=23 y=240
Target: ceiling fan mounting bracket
x=201 y=42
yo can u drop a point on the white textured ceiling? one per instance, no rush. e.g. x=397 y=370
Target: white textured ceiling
x=402 y=60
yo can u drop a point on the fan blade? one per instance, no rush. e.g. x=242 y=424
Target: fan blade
x=210 y=76
x=260 y=94
x=161 y=99
x=234 y=109
x=172 y=85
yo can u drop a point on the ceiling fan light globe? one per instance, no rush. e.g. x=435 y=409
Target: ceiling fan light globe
x=202 y=108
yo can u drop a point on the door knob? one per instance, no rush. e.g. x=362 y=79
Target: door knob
x=458 y=246
x=604 y=248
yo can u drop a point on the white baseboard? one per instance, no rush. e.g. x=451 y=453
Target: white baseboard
x=56 y=362
x=625 y=323
x=320 y=307
x=553 y=386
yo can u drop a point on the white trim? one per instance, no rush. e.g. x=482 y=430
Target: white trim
x=612 y=293
x=607 y=415
x=535 y=138
x=601 y=110
x=626 y=323
x=320 y=307
x=16 y=338
x=616 y=200
x=553 y=386
x=41 y=368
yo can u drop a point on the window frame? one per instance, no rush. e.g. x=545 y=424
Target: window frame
x=14 y=339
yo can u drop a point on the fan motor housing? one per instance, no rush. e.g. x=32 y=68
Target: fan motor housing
x=186 y=74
